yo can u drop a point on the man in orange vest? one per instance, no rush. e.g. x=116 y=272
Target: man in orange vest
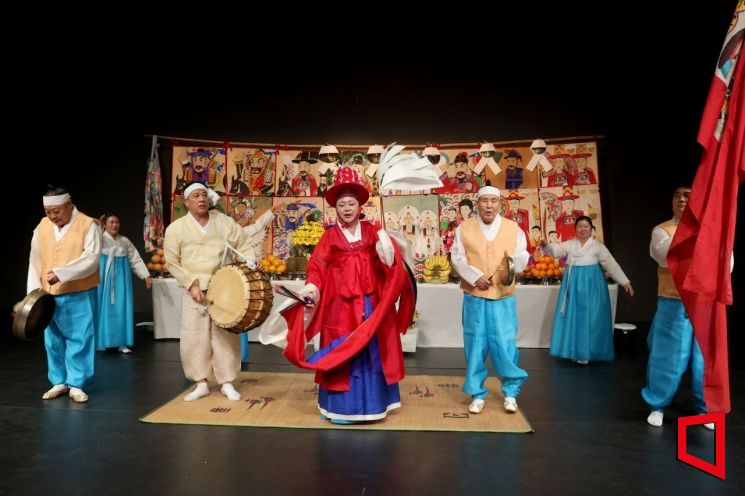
x=65 y=250
x=672 y=344
x=489 y=309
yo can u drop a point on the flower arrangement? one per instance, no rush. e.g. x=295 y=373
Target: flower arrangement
x=306 y=237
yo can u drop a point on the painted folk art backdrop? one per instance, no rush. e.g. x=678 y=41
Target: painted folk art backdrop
x=544 y=193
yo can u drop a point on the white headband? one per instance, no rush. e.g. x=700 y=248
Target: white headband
x=192 y=188
x=53 y=201
x=211 y=194
x=488 y=190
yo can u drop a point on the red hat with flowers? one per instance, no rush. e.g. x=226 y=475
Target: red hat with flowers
x=347 y=180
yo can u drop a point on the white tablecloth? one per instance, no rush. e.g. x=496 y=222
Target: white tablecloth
x=439 y=308
x=167 y=296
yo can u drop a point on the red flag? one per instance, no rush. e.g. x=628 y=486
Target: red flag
x=699 y=256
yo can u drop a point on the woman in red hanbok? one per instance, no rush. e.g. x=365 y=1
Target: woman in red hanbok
x=354 y=278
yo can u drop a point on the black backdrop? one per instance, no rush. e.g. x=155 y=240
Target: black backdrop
x=639 y=82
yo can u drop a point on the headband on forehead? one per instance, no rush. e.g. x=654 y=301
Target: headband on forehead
x=211 y=194
x=488 y=190
x=53 y=201
x=192 y=188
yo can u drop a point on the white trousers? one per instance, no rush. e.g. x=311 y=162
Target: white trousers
x=207 y=349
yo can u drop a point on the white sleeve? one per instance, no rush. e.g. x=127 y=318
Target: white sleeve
x=260 y=223
x=87 y=263
x=557 y=250
x=384 y=247
x=468 y=273
x=33 y=280
x=521 y=255
x=659 y=246
x=135 y=261
x=609 y=264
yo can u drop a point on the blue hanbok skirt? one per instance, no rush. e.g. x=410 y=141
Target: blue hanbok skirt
x=115 y=321
x=585 y=330
x=369 y=396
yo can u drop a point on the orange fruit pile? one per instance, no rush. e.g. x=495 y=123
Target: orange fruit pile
x=546 y=267
x=273 y=264
x=158 y=262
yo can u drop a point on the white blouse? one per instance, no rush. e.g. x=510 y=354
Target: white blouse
x=122 y=247
x=592 y=253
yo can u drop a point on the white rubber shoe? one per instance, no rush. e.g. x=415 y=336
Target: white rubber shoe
x=510 y=404
x=655 y=418
x=476 y=406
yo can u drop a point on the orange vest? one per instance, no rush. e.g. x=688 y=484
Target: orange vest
x=665 y=284
x=487 y=255
x=59 y=253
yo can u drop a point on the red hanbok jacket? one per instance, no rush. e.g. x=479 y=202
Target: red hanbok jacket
x=344 y=274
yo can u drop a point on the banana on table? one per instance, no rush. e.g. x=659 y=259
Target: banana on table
x=437 y=269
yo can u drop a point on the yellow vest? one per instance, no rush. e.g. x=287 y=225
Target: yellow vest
x=665 y=284
x=487 y=255
x=59 y=253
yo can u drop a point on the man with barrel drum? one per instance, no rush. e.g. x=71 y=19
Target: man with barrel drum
x=483 y=249
x=65 y=249
x=194 y=246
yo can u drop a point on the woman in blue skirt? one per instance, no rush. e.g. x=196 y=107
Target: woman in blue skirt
x=583 y=325
x=119 y=258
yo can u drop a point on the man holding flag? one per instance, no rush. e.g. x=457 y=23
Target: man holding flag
x=700 y=253
x=672 y=345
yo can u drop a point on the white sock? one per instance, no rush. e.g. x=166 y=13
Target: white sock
x=124 y=349
x=655 y=418
x=200 y=391
x=229 y=391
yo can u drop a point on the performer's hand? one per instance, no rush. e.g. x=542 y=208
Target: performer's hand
x=483 y=283
x=52 y=277
x=629 y=289
x=196 y=293
x=311 y=298
x=148 y=282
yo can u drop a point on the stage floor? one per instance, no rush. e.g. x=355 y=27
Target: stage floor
x=590 y=435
